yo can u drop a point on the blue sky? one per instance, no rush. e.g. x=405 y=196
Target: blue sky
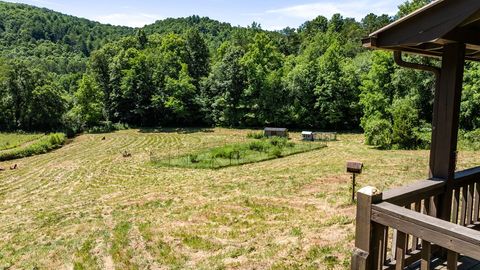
x=271 y=14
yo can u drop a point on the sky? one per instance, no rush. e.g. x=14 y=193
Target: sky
x=271 y=14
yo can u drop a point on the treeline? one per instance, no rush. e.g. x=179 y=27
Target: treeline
x=174 y=79
x=196 y=71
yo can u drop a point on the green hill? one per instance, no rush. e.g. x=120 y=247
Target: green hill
x=23 y=25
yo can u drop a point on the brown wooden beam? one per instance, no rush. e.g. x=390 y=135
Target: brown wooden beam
x=411 y=193
x=463 y=35
x=428 y=25
x=445 y=234
x=445 y=122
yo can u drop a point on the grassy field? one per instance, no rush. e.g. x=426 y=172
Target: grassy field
x=35 y=146
x=13 y=140
x=240 y=153
x=85 y=206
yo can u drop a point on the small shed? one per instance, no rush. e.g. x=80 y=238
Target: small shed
x=308 y=136
x=276 y=132
x=327 y=136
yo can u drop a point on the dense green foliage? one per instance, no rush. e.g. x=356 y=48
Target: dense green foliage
x=43 y=55
x=59 y=72
x=305 y=78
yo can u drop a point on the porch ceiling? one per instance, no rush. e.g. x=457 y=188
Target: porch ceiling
x=427 y=30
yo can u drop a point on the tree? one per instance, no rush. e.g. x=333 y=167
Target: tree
x=470 y=106
x=6 y=102
x=225 y=86
x=289 y=42
x=261 y=99
x=332 y=94
x=311 y=28
x=89 y=99
x=180 y=97
x=377 y=90
x=410 y=6
x=378 y=131
x=405 y=124
x=372 y=22
x=198 y=55
x=375 y=97
x=47 y=106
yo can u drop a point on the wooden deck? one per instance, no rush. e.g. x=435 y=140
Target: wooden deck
x=463 y=264
x=400 y=228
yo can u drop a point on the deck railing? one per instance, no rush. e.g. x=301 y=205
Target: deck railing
x=400 y=228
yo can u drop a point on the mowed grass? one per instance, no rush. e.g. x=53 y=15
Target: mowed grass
x=13 y=140
x=85 y=206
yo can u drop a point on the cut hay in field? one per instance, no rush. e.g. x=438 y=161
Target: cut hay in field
x=84 y=206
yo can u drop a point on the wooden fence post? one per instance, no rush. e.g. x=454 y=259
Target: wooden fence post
x=362 y=257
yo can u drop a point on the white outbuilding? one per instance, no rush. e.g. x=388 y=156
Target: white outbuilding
x=308 y=136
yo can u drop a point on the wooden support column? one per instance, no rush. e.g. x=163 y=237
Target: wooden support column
x=445 y=122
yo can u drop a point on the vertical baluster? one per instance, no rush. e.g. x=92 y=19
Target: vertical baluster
x=426 y=246
x=426 y=206
x=426 y=255
x=417 y=208
x=455 y=204
x=400 y=251
x=470 y=189
x=379 y=246
x=452 y=260
x=385 y=245
x=476 y=207
x=394 y=244
x=463 y=207
x=433 y=206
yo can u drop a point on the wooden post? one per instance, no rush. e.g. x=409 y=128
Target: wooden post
x=445 y=122
x=362 y=258
x=353 y=188
x=426 y=253
x=400 y=250
x=452 y=260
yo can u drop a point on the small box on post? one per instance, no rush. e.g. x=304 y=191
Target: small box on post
x=354 y=167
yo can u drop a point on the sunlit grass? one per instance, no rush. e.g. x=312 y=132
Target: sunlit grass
x=41 y=145
x=85 y=206
x=13 y=140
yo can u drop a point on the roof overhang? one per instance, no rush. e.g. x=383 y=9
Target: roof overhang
x=428 y=29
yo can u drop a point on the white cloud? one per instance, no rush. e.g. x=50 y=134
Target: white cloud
x=128 y=19
x=349 y=8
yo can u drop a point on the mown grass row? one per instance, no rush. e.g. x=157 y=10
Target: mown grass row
x=40 y=146
x=238 y=154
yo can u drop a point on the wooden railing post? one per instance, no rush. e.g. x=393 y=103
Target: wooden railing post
x=363 y=257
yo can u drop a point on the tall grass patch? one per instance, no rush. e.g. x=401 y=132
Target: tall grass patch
x=238 y=154
x=42 y=145
x=14 y=140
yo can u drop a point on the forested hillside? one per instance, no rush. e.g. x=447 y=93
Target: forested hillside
x=58 y=72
